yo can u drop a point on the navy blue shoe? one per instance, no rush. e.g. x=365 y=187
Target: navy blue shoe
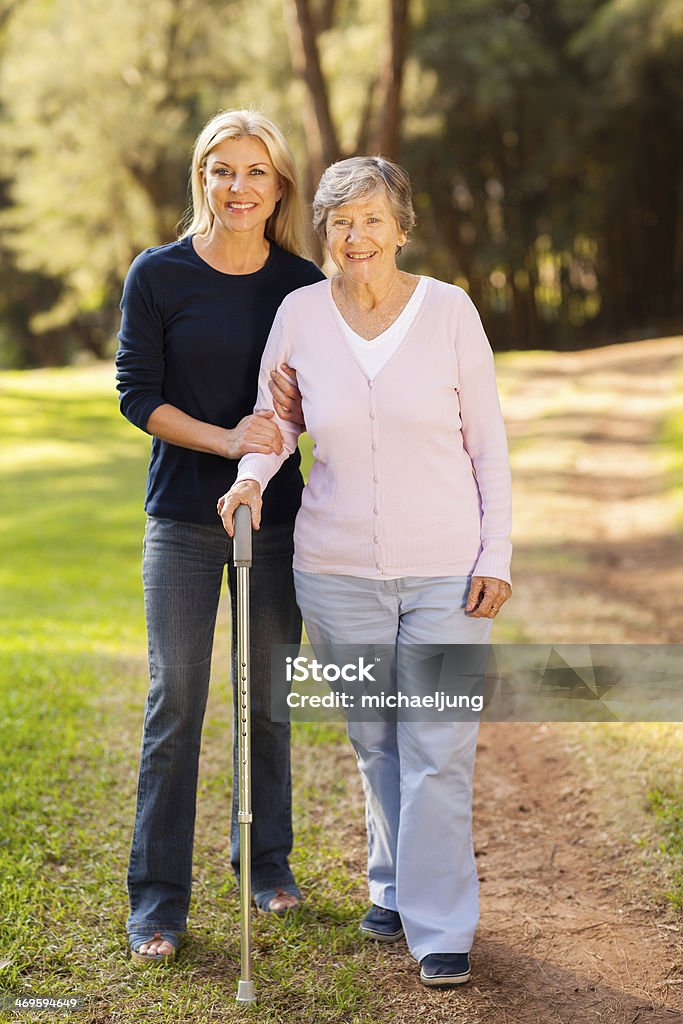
x=382 y=925
x=439 y=969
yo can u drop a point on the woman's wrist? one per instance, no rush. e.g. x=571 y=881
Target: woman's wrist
x=225 y=444
x=220 y=441
x=174 y=426
x=247 y=483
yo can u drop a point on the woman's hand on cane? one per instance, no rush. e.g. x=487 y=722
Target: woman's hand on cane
x=246 y=492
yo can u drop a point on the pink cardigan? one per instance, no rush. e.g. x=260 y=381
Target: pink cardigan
x=411 y=474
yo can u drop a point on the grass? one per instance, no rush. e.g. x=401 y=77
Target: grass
x=637 y=774
x=73 y=680
x=72 y=687
x=667 y=804
x=668 y=810
x=671 y=443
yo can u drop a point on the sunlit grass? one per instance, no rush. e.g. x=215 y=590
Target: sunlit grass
x=638 y=769
x=668 y=809
x=671 y=440
x=72 y=685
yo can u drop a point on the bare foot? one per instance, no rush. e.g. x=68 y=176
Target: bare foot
x=157 y=946
x=283 y=901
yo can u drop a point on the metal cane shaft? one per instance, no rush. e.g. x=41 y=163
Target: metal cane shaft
x=244 y=756
x=242 y=559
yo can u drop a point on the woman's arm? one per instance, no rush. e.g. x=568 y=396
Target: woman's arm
x=255 y=433
x=140 y=365
x=258 y=468
x=485 y=441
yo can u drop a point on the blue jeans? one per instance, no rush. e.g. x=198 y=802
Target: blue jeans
x=182 y=568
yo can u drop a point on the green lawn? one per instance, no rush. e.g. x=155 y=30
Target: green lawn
x=73 y=681
x=72 y=687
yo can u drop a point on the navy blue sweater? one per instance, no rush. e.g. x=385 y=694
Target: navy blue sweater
x=193 y=337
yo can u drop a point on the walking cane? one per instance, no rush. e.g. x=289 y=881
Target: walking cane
x=242 y=559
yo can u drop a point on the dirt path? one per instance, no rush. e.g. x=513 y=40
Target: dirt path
x=566 y=918
x=569 y=930
x=597 y=554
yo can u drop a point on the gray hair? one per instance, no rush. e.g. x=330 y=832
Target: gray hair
x=357 y=178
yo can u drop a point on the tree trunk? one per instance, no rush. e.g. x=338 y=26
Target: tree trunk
x=386 y=138
x=325 y=18
x=379 y=129
x=323 y=144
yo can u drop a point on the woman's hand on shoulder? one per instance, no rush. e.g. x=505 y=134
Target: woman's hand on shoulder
x=286 y=395
x=245 y=492
x=486 y=597
x=255 y=433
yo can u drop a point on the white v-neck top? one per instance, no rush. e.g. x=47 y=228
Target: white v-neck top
x=411 y=474
x=373 y=354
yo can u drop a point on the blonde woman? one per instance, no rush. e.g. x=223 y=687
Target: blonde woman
x=196 y=316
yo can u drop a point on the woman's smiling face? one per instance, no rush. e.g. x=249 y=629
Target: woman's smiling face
x=241 y=184
x=362 y=237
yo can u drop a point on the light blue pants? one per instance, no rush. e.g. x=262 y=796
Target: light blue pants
x=417 y=776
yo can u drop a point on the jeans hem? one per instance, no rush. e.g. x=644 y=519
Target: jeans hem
x=261 y=884
x=154 y=926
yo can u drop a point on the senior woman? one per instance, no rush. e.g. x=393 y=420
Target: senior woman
x=403 y=533
x=196 y=316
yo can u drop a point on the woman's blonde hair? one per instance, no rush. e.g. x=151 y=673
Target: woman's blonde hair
x=285 y=226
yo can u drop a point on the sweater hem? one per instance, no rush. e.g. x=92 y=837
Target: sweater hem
x=397 y=571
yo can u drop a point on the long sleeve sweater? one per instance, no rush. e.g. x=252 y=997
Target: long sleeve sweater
x=193 y=336
x=411 y=474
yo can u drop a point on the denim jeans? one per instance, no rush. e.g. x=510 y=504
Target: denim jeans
x=183 y=567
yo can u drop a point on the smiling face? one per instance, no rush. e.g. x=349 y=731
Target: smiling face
x=241 y=185
x=362 y=237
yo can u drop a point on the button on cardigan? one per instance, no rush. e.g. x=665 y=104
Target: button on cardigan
x=411 y=474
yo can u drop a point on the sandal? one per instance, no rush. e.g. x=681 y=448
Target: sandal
x=137 y=939
x=278 y=901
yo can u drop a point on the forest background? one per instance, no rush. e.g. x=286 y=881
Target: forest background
x=544 y=141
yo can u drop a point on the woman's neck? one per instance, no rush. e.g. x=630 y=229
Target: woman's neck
x=233 y=253
x=368 y=295
x=370 y=308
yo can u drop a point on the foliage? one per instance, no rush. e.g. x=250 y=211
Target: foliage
x=544 y=139
x=97 y=142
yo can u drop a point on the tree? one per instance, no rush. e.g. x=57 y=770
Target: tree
x=379 y=120
x=543 y=138
x=96 y=144
x=632 y=127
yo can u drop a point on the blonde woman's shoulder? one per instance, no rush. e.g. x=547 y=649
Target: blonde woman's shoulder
x=306 y=298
